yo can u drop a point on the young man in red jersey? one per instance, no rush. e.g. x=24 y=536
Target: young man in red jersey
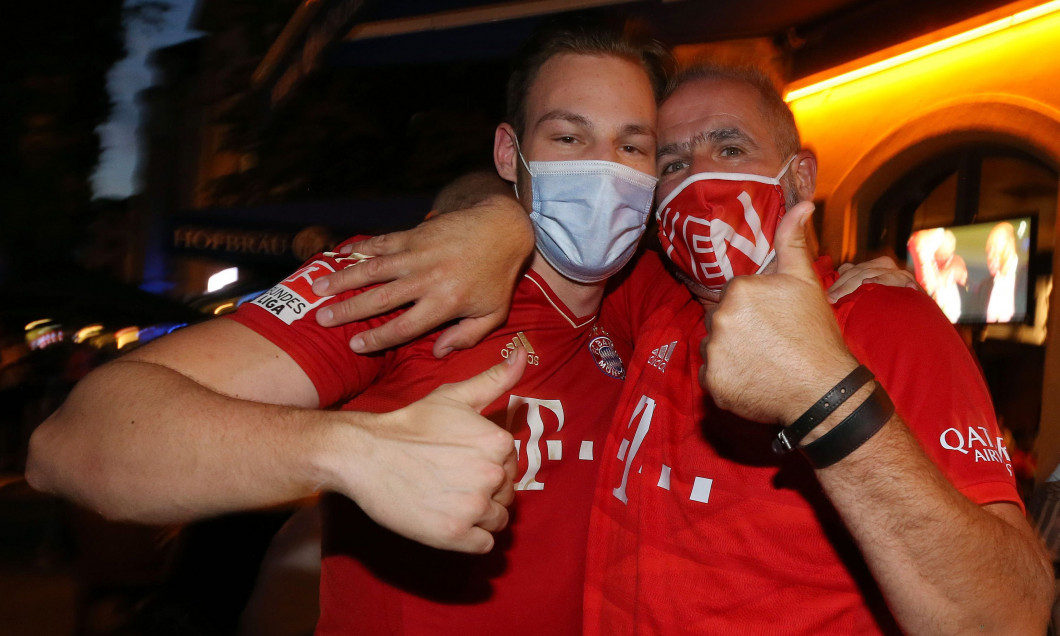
x=171 y=425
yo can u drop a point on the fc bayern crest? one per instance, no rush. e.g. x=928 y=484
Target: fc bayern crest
x=603 y=351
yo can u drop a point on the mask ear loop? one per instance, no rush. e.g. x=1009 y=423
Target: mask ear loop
x=519 y=151
x=773 y=252
x=787 y=164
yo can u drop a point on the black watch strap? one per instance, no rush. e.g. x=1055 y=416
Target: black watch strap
x=790 y=437
x=852 y=432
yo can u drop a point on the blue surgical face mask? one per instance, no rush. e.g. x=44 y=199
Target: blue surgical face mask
x=588 y=216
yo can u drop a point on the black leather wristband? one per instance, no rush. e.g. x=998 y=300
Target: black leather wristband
x=790 y=437
x=856 y=429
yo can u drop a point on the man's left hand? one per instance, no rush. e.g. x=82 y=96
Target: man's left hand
x=773 y=346
x=881 y=270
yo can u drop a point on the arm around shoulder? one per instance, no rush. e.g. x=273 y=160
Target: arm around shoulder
x=462 y=264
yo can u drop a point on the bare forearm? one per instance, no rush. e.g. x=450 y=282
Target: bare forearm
x=142 y=442
x=944 y=564
x=487 y=200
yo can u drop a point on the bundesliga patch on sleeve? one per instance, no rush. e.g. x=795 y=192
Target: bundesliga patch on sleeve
x=292 y=298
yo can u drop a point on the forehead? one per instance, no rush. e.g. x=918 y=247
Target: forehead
x=601 y=85
x=703 y=105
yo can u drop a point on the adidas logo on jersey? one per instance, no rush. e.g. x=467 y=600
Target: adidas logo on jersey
x=520 y=339
x=661 y=356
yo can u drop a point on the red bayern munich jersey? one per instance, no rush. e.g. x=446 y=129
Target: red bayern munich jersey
x=376 y=582
x=699 y=528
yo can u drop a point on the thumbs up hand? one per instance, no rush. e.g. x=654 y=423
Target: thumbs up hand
x=773 y=346
x=436 y=471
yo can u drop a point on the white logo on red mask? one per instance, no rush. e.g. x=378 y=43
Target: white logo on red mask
x=718 y=225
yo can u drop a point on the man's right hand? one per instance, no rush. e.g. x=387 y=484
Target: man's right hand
x=462 y=265
x=773 y=346
x=436 y=471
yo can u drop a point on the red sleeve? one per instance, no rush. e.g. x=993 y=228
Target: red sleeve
x=286 y=315
x=935 y=383
x=632 y=295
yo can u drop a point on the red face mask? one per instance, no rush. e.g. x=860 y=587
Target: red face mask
x=718 y=225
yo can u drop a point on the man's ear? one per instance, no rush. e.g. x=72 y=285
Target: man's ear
x=505 y=153
x=805 y=169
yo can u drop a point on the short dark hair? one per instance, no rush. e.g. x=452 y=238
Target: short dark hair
x=773 y=107
x=629 y=42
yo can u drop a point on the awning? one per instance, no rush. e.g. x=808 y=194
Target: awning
x=819 y=33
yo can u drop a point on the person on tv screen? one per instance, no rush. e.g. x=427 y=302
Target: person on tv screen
x=939 y=269
x=1005 y=291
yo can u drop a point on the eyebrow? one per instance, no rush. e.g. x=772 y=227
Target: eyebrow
x=637 y=129
x=564 y=115
x=715 y=136
x=585 y=122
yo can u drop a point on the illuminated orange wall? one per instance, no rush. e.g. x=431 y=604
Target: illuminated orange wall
x=1003 y=87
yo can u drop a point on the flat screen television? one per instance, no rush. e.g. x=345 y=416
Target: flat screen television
x=977 y=273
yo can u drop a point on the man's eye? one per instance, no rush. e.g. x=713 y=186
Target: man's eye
x=567 y=139
x=673 y=167
x=631 y=149
x=731 y=151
